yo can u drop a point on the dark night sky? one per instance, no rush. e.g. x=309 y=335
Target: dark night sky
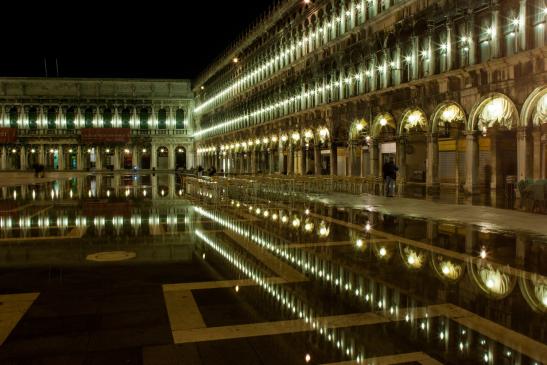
x=139 y=39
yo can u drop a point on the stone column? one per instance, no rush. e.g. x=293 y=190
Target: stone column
x=522 y=26
x=317 y=158
x=253 y=161
x=401 y=156
x=23 y=158
x=61 y=157
x=171 y=157
x=362 y=168
x=135 y=156
x=271 y=160
x=117 y=158
x=449 y=44
x=496 y=179
x=290 y=160
x=349 y=159
x=4 y=159
x=79 y=159
x=281 y=157
x=432 y=173
x=333 y=159
x=154 y=156
x=472 y=163
x=374 y=152
x=495 y=34
x=523 y=154
x=98 y=158
x=536 y=164
x=303 y=161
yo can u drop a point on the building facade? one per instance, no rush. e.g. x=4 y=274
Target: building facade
x=87 y=124
x=455 y=91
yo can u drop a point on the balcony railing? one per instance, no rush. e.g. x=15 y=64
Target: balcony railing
x=21 y=132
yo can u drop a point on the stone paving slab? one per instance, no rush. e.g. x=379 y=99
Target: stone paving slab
x=487 y=217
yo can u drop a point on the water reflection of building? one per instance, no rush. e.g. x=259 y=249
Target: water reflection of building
x=83 y=124
x=359 y=283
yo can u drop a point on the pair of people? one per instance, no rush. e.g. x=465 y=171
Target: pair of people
x=390 y=175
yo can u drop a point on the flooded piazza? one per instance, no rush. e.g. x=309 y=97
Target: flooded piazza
x=166 y=269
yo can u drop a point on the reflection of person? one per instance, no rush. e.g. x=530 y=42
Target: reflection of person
x=390 y=175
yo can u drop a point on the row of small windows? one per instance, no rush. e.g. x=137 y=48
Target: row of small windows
x=89 y=114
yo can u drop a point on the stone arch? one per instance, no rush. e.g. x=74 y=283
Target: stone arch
x=381 y=121
x=494 y=105
x=534 y=110
x=413 y=116
x=456 y=113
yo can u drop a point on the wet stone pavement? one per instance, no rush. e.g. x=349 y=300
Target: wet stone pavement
x=155 y=269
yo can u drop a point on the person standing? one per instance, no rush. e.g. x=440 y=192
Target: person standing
x=390 y=175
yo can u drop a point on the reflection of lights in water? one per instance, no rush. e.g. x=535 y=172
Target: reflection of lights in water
x=382 y=251
x=237 y=288
x=180 y=191
x=162 y=192
x=203 y=256
x=307 y=211
x=144 y=192
x=307 y=358
x=258 y=210
x=274 y=216
x=296 y=222
x=238 y=205
x=323 y=229
x=308 y=227
x=461 y=346
x=284 y=219
x=266 y=214
x=15 y=195
x=33 y=194
x=407 y=318
x=89 y=193
x=359 y=242
x=70 y=193
x=441 y=336
x=108 y=193
x=127 y=193
x=483 y=253
x=486 y=358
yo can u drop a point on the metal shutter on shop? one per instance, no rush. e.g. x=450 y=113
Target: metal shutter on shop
x=447 y=167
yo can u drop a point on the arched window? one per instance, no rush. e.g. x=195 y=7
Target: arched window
x=107 y=118
x=13 y=116
x=88 y=118
x=126 y=117
x=179 y=119
x=162 y=119
x=143 y=118
x=51 y=116
x=32 y=118
x=70 y=117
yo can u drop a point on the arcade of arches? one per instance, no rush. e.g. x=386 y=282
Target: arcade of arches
x=477 y=146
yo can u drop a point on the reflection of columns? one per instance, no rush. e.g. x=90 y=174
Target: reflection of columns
x=472 y=162
x=171 y=155
x=154 y=186
x=290 y=160
x=61 y=157
x=23 y=157
x=363 y=164
x=433 y=160
x=172 y=185
x=98 y=158
x=41 y=152
x=317 y=158
x=253 y=161
x=333 y=159
x=79 y=159
x=4 y=158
